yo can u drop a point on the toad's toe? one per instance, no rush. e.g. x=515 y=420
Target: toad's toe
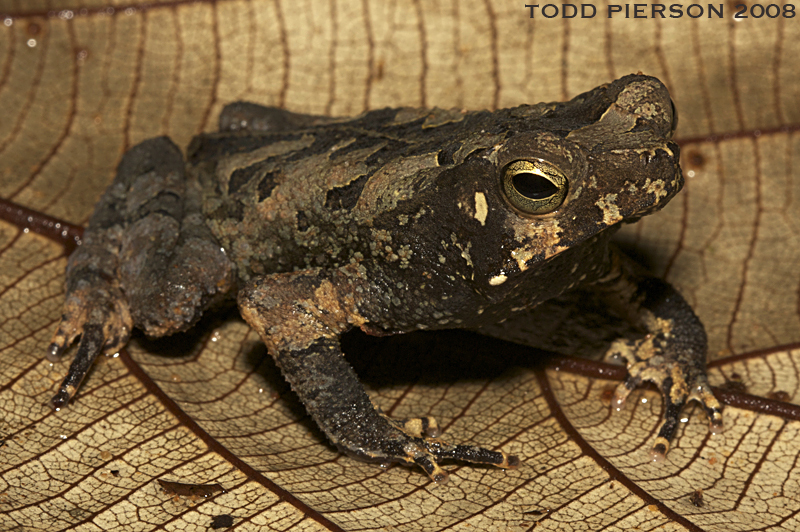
x=98 y=314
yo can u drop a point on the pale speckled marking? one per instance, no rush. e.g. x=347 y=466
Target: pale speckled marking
x=630 y=99
x=404 y=253
x=546 y=237
x=610 y=209
x=657 y=187
x=523 y=255
x=298 y=336
x=492 y=155
x=465 y=254
x=481 y=207
x=497 y=280
x=650 y=150
x=464 y=250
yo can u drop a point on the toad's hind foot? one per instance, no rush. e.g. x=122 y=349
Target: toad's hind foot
x=91 y=344
x=96 y=310
x=679 y=378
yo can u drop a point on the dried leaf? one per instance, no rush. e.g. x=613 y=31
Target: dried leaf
x=81 y=83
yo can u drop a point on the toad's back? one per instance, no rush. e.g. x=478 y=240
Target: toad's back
x=308 y=191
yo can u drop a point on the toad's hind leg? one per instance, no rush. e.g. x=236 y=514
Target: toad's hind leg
x=147 y=260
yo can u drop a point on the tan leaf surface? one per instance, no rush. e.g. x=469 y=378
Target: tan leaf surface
x=82 y=82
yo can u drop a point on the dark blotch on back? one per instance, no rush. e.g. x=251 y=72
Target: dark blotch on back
x=392 y=150
x=242 y=176
x=445 y=157
x=229 y=210
x=267 y=184
x=302 y=221
x=239 y=178
x=346 y=197
x=323 y=142
x=236 y=211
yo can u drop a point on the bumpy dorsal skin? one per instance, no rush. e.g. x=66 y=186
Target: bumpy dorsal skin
x=393 y=221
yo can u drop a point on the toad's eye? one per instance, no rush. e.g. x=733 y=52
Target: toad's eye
x=534 y=187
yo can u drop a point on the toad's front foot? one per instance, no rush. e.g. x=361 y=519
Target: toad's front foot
x=677 y=371
x=330 y=390
x=300 y=316
x=672 y=354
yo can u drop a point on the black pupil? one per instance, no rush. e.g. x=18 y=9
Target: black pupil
x=533 y=186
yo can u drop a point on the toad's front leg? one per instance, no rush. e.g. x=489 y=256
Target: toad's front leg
x=672 y=354
x=300 y=316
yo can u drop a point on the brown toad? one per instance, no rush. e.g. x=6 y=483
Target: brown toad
x=393 y=221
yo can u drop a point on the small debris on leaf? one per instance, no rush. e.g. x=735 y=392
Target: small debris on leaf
x=779 y=395
x=221 y=521
x=697 y=498
x=734 y=384
x=190 y=490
